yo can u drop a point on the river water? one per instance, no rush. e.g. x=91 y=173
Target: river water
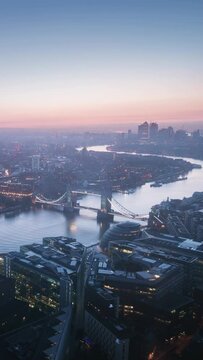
x=33 y=225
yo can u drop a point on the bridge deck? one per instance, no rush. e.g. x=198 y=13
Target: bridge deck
x=119 y=209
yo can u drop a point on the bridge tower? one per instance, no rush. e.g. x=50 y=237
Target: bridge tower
x=104 y=214
x=70 y=204
x=106 y=195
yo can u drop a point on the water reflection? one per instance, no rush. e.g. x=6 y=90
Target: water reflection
x=33 y=225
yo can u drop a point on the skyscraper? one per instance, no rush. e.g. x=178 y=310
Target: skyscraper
x=35 y=162
x=153 y=130
x=143 y=131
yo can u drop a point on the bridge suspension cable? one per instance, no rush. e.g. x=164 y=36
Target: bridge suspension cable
x=120 y=209
x=123 y=211
x=42 y=199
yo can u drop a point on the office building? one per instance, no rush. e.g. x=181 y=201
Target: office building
x=126 y=231
x=179 y=251
x=46 y=276
x=166 y=134
x=35 y=163
x=6 y=290
x=153 y=131
x=143 y=131
x=40 y=283
x=111 y=336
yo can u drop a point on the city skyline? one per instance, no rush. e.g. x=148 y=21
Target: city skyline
x=83 y=63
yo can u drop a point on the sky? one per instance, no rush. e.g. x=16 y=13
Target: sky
x=77 y=63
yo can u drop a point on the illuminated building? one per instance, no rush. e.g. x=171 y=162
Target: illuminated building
x=152 y=283
x=110 y=322
x=40 y=283
x=183 y=252
x=132 y=287
x=126 y=231
x=46 y=276
x=2 y=264
x=15 y=190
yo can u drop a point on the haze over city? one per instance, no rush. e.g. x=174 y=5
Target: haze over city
x=87 y=63
x=101 y=180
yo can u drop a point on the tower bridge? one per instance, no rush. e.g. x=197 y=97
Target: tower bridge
x=109 y=206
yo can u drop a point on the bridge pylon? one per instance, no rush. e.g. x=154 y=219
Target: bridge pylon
x=69 y=206
x=69 y=200
x=104 y=214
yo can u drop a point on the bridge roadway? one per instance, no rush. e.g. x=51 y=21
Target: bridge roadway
x=118 y=208
x=113 y=212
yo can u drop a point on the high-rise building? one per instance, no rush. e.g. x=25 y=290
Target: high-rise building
x=111 y=336
x=153 y=130
x=166 y=134
x=143 y=131
x=45 y=275
x=43 y=285
x=35 y=162
x=129 y=135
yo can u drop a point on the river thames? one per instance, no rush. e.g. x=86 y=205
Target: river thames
x=33 y=225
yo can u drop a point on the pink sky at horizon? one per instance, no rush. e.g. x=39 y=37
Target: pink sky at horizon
x=105 y=115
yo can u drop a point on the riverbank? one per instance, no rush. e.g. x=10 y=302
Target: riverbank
x=172 y=150
x=129 y=171
x=34 y=224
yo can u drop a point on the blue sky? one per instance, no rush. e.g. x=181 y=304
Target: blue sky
x=100 y=61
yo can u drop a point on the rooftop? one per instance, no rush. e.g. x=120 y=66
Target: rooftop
x=49 y=260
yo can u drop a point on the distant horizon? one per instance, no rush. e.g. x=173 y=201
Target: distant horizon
x=133 y=126
x=59 y=124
